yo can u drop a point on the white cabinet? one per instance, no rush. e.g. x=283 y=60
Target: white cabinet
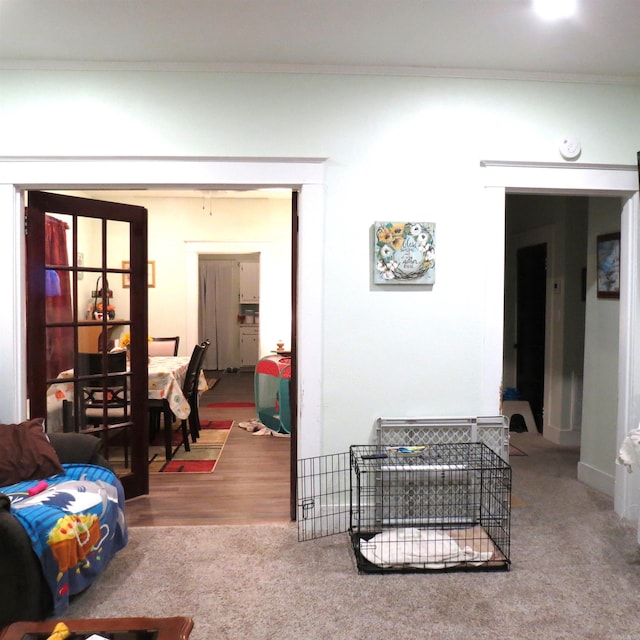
x=249 y=282
x=249 y=346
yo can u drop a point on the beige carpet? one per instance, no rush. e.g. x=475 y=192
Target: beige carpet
x=575 y=575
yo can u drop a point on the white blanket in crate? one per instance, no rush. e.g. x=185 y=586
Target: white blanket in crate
x=420 y=548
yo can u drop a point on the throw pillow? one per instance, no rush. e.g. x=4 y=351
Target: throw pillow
x=80 y=448
x=26 y=453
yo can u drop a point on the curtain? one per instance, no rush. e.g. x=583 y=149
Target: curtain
x=58 y=298
x=218 y=310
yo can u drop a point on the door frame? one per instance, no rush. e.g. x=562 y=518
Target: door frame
x=540 y=235
x=579 y=179
x=305 y=175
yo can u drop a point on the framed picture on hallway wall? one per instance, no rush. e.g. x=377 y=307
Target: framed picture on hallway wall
x=404 y=253
x=608 y=250
x=151 y=274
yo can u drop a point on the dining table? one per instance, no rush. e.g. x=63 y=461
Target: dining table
x=165 y=379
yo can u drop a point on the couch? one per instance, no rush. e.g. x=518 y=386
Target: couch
x=24 y=592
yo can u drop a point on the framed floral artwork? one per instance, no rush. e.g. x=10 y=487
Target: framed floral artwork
x=404 y=253
x=608 y=249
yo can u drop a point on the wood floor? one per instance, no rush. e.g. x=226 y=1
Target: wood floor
x=249 y=485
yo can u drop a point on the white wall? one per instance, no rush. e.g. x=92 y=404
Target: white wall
x=600 y=403
x=397 y=149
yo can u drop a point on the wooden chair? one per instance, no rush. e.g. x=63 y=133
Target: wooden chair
x=194 y=399
x=164 y=346
x=105 y=403
x=160 y=408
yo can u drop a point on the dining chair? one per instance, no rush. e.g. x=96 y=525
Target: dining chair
x=167 y=346
x=105 y=403
x=160 y=408
x=194 y=398
x=190 y=389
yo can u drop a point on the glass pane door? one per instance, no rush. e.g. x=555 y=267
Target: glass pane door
x=86 y=289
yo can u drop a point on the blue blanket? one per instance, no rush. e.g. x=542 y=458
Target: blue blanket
x=76 y=524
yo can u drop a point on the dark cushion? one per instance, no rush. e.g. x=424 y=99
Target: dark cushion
x=26 y=453
x=80 y=448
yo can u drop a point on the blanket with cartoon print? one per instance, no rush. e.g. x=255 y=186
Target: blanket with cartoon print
x=76 y=524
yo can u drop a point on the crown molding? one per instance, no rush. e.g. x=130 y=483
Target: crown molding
x=512 y=164
x=311 y=69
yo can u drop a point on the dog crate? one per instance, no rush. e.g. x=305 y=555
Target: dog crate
x=431 y=507
x=409 y=508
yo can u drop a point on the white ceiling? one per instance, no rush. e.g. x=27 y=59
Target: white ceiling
x=494 y=38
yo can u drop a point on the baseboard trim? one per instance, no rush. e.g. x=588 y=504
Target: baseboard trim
x=562 y=436
x=596 y=479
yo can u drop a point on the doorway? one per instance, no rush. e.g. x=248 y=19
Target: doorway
x=166 y=249
x=503 y=179
x=279 y=293
x=305 y=176
x=229 y=310
x=531 y=293
x=546 y=250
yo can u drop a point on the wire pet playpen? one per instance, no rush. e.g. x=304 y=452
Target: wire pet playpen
x=414 y=507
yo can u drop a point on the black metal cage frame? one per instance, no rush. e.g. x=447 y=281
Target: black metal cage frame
x=445 y=498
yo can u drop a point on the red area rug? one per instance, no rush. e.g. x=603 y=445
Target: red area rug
x=221 y=405
x=216 y=424
x=189 y=466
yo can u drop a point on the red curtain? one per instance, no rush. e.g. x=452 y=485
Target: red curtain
x=58 y=302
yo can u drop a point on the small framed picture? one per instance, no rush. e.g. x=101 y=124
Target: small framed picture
x=608 y=250
x=151 y=274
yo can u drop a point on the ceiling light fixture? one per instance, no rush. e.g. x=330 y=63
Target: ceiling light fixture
x=555 y=9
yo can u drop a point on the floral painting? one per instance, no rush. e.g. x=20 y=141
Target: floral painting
x=608 y=247
x=404 y=253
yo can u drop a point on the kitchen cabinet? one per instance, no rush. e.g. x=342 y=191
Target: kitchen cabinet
x=249 y=282
x=249 y=346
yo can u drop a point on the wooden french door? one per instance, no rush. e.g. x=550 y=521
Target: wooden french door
x=86 y=289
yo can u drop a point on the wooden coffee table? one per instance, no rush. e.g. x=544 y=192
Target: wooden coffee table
x=176 y=628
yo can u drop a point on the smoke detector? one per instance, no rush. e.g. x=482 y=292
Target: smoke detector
x=570 y=148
